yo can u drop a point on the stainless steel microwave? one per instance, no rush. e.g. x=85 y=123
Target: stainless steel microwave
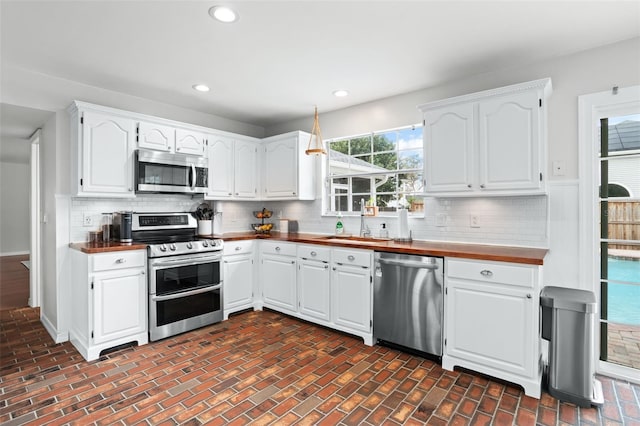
x=175 y=173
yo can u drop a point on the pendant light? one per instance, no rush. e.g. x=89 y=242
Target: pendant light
x=316 y=148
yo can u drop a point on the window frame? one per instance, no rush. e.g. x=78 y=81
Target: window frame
x=330 y=188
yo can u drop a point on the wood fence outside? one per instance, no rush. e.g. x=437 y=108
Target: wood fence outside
x=624 y=223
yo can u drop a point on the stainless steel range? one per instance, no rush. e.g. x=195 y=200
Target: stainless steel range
x=185 y=273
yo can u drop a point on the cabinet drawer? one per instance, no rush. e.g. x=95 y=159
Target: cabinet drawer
x=118 y=260
x=314 y=253
x=278 y=247
x=237 y=247
x=352 y=257
x=491 y=272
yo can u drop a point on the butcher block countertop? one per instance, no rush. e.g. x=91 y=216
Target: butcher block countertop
x=531 y=256
x=93 y=248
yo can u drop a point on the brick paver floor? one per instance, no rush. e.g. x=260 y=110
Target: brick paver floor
x=263 y=368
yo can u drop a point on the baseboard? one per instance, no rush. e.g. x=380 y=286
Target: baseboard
x=55 y=335
x=14 y=253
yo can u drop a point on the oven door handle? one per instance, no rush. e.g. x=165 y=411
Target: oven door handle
x=188 y=262
x=185 y=293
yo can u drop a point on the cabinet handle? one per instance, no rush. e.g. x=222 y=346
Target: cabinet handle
x=130 y=189
x=121 y=260
x=238 y=248
x=141 y=272
x=313 y=253
x=277 y=248
x=236 y=193
x=326 y=267
x=230 y=193
x=351 y=257
x=528 y=295
x=334 y=268
x=293 y=262
x=468 y=185
x=482 y=186
x=293 y=193
x=486 y=273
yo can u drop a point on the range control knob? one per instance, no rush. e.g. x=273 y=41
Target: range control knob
x=205 y=243
x=213 y=243
x=172 y=247
x=189 y=245
x=163 y=247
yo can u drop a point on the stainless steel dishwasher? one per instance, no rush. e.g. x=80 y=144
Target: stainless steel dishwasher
x=408 y=301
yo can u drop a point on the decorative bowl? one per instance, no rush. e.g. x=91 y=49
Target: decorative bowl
x=263 y=214
x=262 y=228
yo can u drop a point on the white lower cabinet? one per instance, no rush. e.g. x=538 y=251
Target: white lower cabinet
x=109 y=301
x=332 y=287
x=491 y=320
x=278 y=276
x=314 y=277
x=238 y=277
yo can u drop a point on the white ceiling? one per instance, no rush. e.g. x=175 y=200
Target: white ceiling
x=282 y=58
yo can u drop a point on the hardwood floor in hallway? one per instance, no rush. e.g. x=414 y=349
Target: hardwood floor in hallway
x=14 y=282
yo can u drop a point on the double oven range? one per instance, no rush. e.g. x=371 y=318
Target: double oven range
x=184 y=271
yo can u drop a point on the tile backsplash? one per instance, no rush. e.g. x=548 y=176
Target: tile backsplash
x=502 y=220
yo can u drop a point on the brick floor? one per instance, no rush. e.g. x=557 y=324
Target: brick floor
x=623 y=344
x=263 y=368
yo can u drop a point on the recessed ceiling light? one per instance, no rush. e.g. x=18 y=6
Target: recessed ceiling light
x=223 y=14
x=201 y=87
x=340 y=93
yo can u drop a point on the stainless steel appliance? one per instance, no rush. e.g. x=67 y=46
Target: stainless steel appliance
x=408 y=301
x=185 y=273
x=122 y=222
x=165 y=172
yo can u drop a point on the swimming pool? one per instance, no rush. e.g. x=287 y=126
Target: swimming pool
x=624 y=299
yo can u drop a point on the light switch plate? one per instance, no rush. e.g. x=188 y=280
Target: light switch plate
x=474 y=221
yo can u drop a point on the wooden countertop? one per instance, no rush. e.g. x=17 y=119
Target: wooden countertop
x=526 y=255
x=92 y=248
x=531 y=256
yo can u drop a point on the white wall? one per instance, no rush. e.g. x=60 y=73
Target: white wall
x=15 y=181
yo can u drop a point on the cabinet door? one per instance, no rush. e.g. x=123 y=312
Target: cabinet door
x=189 y=142
x=220 y=167
x=490 y=325
x=120 y=305
x=509 y=142
x=280 y=176
x=245 y=170
x=351 y=297
x=278 y=279
x=314 y=294
x=449 y=140
x=156 y=136
x=238 y=281
x=107 y=154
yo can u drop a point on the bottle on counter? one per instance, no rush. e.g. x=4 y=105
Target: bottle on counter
x=339 y=226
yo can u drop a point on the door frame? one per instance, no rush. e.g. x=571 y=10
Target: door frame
x=34 y=207
x=591 y=108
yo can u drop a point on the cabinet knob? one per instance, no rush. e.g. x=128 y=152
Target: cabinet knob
x=277 y=248
x=293 y=262
x=130 y=189
x=236 y=193
x=351 y=257
x=313 y=253
x=486 y=273
x=230 y=193
x=468 y=185
x=238 y=248
x=121 y=260
x=528 y=295
x=141 y=272
x=326 y=267
x=334 y=268
x=482 y=186
x=293 y=193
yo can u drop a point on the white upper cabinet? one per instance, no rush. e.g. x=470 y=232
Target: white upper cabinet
x=190 y=142
x=287 y=172
x=104 y=144
x=221 y=167
x=246 y=170
x=487 y=143
x=156 y=136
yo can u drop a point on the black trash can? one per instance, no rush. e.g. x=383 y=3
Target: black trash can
x=568 y=325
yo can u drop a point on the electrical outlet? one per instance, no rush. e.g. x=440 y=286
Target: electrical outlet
x=474 y=221
x=87 y=219
x=441 y=219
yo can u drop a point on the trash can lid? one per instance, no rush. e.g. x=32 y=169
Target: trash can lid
x=568 y=298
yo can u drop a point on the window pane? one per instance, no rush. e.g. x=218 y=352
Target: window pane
x=384 y=202
x=622 y=303
x=340 y=146
x=341 y=203
x=386 y=183
x=410 y=159
x=361 y=145
x=385 y=141
x=386 y=161
x=410 y=183
x=339 y=185
x=410 y=138
x=624 y=133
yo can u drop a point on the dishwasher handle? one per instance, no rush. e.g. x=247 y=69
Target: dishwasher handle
x=409 y=264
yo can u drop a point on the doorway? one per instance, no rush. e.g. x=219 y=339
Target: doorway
x=610 y=223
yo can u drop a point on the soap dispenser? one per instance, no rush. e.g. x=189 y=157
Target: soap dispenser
x=339 y=226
